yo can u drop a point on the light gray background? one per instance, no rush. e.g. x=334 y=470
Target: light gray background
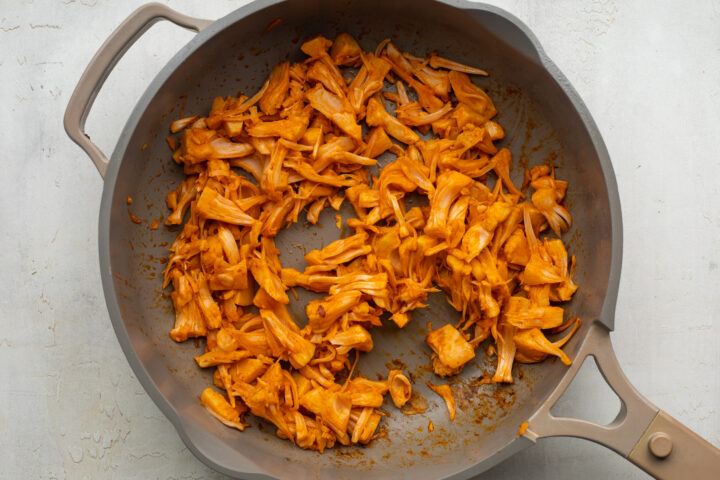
x=70 y=406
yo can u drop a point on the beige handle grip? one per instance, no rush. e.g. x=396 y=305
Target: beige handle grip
x=647 y=436
x=668 y=449
x=102 y=64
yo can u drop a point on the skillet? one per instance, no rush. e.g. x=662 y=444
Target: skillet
x=545 y=120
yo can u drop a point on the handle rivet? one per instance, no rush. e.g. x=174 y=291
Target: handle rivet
x=660 y=444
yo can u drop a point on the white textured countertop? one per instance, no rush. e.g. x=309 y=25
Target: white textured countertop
x=70 y=406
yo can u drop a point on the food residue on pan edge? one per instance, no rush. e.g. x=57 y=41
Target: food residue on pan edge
x=303 y=147
x=272 y=25
x=133 y=218
x=523 y=428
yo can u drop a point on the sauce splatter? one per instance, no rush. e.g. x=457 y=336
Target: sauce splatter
x=416 y=405
x=134 y=218
x=272 y=25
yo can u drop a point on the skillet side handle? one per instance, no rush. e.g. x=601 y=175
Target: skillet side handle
x=641 y=432
x=103 y=63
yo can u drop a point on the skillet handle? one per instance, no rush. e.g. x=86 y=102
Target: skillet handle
x=642 y=433
x=103 y=63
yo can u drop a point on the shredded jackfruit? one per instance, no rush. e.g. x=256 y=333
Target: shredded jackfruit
x=299 y=141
